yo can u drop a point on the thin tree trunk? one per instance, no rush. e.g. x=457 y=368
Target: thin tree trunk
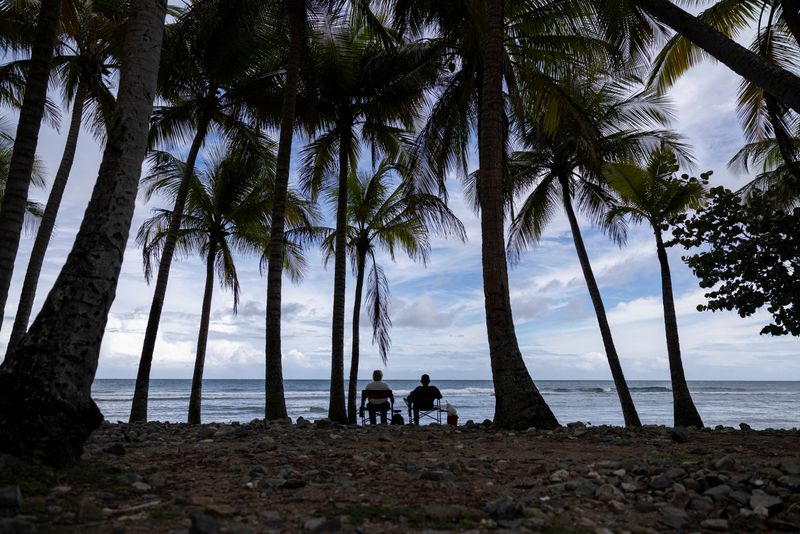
x=45 y=389
x=780 y=83
x=685 y=413
x=625 y=400
x=352 y=385
x=195 y=398
x=275 y=407
x=518 y=403
x=15 y=200
x=48 y=221
x=142 y=388
x=336 y=409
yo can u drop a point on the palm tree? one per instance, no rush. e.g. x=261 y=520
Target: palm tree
x=227 y=210
x=781 y=83
x=381 y=217
x=45 y=382
x=765 y=120
x=366 y=93
x=12 y=208
x=33 y=209
x=655 y=195
x=204 y=81
x=84 y=63
x=565 y=167
x=536 y=41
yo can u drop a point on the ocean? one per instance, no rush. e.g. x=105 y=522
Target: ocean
x=759 y=404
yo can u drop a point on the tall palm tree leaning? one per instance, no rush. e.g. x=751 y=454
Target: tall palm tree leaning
x=84 y=63
x=518 y=402
x=379 y=216
x=45 y=382
x=654 y=194
x=204 y=81
x=275 y=401
x=12 y=208
x=364 y=93
x=780 y=83
x=227 y=209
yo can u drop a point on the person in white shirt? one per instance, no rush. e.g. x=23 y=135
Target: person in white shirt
x=380 y=402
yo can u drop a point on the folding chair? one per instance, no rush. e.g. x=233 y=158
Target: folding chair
x=430 y=408
x=384 y=394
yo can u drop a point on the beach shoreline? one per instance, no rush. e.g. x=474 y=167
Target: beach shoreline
x=321 y=477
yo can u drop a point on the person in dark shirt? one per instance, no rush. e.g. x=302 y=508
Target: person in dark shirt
x=423 y=397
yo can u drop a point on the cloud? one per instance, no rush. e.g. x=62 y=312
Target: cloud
x=424 y=312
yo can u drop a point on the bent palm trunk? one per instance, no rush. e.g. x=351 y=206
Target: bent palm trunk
x=141 y=391
x=625 y=400
x=778 y=82
x=12 y=210
x=352 y=385
x=45 y=388
x=518 y=403
x=685 y=413
x=48 y=221
x=336 y=409
x=195 y=398
x=275 y=407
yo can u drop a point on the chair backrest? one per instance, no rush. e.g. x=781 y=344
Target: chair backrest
x=376 y=393
x=426 y=403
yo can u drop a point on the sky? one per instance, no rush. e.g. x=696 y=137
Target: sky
x=437 y=310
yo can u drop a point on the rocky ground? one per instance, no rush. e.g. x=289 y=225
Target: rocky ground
x=304 y=477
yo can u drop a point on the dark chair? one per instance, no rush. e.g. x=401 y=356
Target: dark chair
x=427 y=407
x=384 y=394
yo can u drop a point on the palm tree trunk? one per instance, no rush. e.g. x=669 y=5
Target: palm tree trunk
x=45 y=388
x=791 y=15
x=352 y=385
x=779 y=82
x=685 y=413
x=12 y=210
x=336 y=409
x=275 y=407
x=625 y=400
x=48 y=221
x=518 y=403
x=142 y=388
x=202 y=337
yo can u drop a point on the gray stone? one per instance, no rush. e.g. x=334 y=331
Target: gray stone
x=715 y=524
x=740 y=497
x=607 y=493
x=581 y=486
x=323 y=524
x=793 y=483
x=718 y=492
x=629 y=486
x=725 y=463
x=744 y=427
x=661 y=483
x=790 y=468
x=10 y=497
x=16 y=526
x=438 y=475
x=675 y=473
x=502 y=508
x=701 y=504
x=672 y=517
x=761 y=499
x=680 y=499
x=679 y=434
x=203 y=524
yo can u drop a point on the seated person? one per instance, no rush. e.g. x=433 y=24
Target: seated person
x=422 y=397
x=377 y=405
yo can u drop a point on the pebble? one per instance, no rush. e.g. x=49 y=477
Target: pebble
x=502 y=508
x=203 y=523
x=679 y=434
x=323 y=524
x=715 y=524
x=672 y=517
x=760 y=499
x=607 y=493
